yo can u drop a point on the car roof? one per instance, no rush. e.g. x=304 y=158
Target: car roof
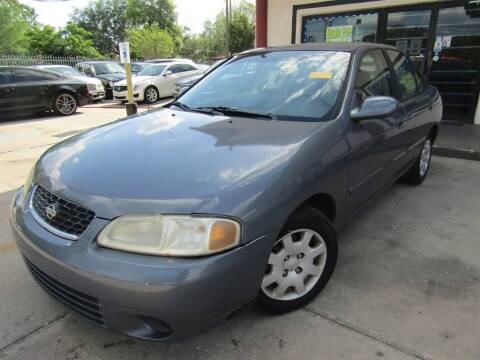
x=51 y=66
x=351 y=47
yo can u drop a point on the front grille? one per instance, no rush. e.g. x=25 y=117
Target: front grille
x=84 y=305
x=120 y=88
x=68 y=217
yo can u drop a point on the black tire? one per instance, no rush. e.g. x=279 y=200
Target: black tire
x=65 y=103
x=417 y=174
x=305 y=218
x=151 y=99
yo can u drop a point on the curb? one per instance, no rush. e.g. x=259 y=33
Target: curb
x=467 y=154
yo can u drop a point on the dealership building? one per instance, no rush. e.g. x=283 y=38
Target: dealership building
x=442 y=37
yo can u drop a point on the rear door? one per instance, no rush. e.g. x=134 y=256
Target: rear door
x=7 y=91
x=416 y=100
x=33 y=89
x=371 y=141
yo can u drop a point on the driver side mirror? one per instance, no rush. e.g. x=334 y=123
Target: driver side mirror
x=168 y=72
x=374 y=107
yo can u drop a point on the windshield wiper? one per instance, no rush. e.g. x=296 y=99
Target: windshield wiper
x=226 y=110
x=185 y=107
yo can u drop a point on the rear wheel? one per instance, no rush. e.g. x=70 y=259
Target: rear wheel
x=418 y=172
x=65 y=104
x=301 y=262
x=151 y=95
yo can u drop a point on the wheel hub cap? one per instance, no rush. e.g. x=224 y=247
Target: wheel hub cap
x=295 y=265
x=425 y=157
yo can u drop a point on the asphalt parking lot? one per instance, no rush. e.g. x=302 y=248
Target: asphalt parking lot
x=406 y=286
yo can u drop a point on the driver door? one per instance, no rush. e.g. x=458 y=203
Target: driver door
x=371 y=141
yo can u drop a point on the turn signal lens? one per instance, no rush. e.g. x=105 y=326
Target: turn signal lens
x=223 y=235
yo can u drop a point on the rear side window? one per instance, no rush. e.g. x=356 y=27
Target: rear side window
x=408 y=77
x=27 y=75
x=374 y=77
x=6 y=76
x=187 y=67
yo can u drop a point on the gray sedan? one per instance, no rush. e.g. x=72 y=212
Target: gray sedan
x=161 y=225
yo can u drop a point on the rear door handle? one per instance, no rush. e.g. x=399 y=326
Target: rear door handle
x=10 y=89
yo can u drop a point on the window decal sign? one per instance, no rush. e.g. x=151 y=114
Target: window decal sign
x=339 y=33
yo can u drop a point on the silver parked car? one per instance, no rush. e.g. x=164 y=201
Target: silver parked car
x=162 y=224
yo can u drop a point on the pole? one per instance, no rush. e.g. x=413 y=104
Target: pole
x=227 y=26
x=131 y=107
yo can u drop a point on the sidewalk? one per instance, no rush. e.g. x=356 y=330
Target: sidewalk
x=458 y=141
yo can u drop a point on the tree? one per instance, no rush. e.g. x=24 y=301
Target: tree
x=15 y=20
x=107 y=20
x=212 y=41
x=150 y=42
x=70 y=41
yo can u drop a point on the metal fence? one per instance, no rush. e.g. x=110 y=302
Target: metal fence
x=20 y=60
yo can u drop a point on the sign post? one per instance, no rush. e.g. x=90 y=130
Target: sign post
x=131 y=107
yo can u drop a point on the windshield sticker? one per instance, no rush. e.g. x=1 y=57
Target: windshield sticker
x=320 y=75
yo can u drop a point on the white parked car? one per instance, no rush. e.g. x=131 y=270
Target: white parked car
x=95 y=86
x=156 y=81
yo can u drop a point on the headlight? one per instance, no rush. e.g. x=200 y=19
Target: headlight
x=28 y=182
x=170 y=235
x=92 y=87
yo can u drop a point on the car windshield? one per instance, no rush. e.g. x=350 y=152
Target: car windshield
x=138 y=67
x=288 y=85
x=152 y=70
x=106 y=68
x=65 y=71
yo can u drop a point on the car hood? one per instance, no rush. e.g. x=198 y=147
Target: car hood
x=111 y=76
x=135 y=80
x=169 y=161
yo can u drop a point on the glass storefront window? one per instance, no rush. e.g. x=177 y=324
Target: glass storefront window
x=408 y=31
x=343 y=28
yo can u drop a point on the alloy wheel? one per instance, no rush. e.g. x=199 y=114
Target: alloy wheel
x=66 y=104
x=295 y=265
x=151 y=95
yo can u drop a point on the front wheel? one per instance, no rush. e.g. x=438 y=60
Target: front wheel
x=65 y=104
x=418 y=172
x=151 y=95
x=301 y=262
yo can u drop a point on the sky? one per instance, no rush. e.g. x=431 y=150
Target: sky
x=191 y=13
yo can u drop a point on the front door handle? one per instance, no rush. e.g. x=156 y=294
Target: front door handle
x=10 y=89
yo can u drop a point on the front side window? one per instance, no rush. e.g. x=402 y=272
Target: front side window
x=291 y=85
x=406 y=74
x=374 y=77
x=68 y=71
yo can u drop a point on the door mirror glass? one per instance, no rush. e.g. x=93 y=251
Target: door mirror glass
x=168 y=72
x=374 y=107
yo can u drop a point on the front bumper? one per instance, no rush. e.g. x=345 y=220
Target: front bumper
x=142 y=296
x=123 y=95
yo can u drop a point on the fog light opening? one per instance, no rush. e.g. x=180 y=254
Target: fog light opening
x=161 y=328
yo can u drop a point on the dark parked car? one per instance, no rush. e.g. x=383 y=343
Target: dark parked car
x=160 y=225
x=108 y=72
x=25 y=90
